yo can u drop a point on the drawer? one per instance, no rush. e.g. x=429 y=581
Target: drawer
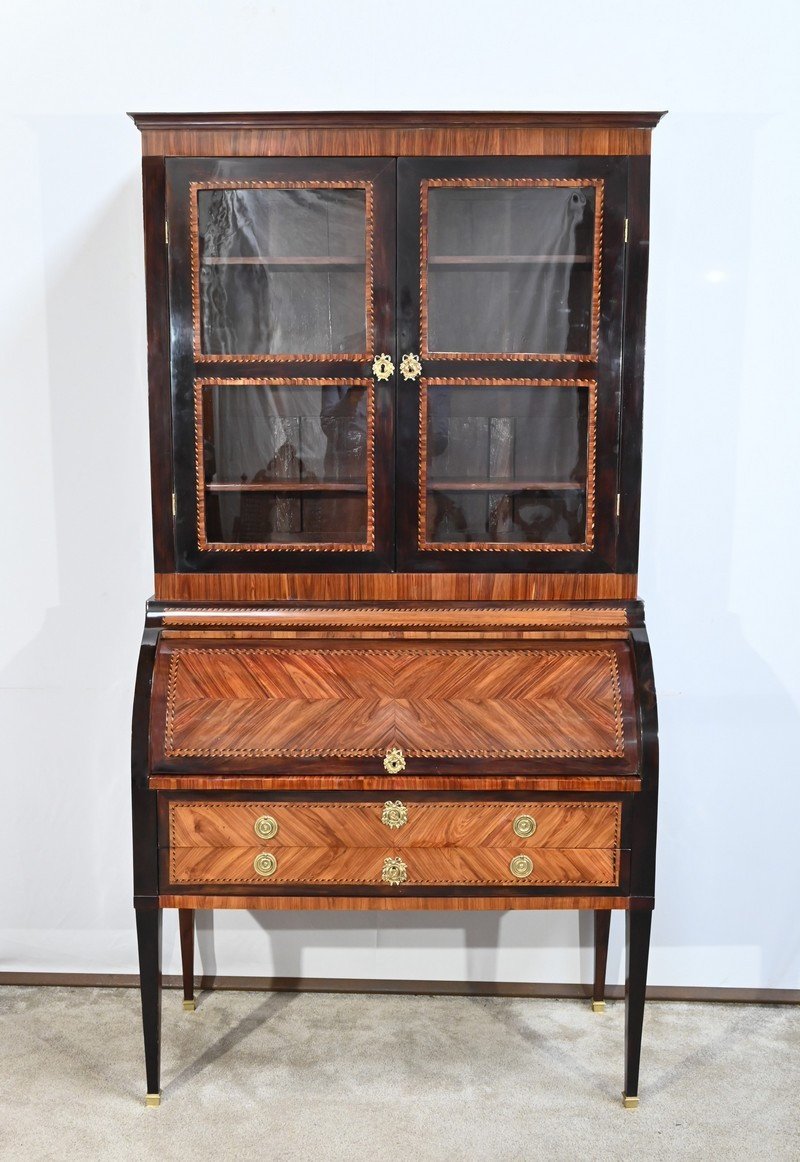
x=388 y=865
x=226 y=823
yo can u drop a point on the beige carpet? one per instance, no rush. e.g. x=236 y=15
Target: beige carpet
x=272 y=1076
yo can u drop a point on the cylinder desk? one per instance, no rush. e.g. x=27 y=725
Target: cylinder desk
x=396 y=657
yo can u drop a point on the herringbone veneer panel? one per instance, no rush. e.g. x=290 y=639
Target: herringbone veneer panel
x=559 y=702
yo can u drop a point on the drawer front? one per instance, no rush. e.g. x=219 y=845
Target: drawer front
x=223 y=824
x=393 y=866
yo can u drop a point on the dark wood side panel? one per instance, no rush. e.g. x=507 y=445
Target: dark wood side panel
x=635 y=298
x=158 y=361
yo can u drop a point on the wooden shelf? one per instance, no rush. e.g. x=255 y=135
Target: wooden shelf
x=505 y=486
x=288 y=486
x=508 y=259
x=299 y=260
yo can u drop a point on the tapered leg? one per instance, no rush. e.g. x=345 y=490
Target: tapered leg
x=186 y=922
x=602 y=924
x=637 y=950
x=148 y=931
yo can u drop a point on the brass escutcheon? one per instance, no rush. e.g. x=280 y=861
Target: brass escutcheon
x=524 y=825
x=394 y=815
x=410 y=366
x=394 y=870
x=394 y=761
x=382 y=367
x=521 y=866
x=265 y=827
x=265 y=864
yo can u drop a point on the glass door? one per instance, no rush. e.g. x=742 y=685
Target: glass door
x=508 y=413
x=281 y=293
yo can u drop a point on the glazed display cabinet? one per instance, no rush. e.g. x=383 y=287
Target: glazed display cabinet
x=396 y=657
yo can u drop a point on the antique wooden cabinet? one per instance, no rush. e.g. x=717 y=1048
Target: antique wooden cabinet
x=395 y=657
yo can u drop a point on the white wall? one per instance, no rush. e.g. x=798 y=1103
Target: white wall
x=719 y=549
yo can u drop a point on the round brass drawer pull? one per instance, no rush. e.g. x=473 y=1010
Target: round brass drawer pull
x=524 y=826
x=265 y=864
x=394 y=814
x=521 y=866
x=395 y=871
x=265 y=827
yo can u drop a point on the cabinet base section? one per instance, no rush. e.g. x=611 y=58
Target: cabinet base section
x=395 y=903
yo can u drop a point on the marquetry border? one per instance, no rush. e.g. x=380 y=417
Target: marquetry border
x=597 y=184
x=367 y=186
x=234 y=547
x=171 y=751
x=584 y=546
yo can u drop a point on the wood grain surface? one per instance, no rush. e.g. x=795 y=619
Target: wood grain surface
x=342 y=903
x=444 y=617
x=420 y=587
x=392 y=786
x=562 y=701
x=221 y=823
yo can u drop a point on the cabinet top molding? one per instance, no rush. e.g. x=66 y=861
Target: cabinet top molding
x=408 y=120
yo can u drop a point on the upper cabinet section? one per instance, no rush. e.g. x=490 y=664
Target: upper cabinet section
x=396 y=341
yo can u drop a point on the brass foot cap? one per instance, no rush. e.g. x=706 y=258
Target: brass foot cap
x=189 y=1006
x=630 y=1103
x=152 y=1100
x=598 y=1006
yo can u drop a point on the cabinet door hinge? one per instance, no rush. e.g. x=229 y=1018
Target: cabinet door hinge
x=175 y=505
x=625 y=235
x=166 y=231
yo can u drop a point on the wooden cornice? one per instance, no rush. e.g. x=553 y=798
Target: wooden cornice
x=627 y=119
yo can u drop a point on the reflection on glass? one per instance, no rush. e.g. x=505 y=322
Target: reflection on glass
x=510 y=269
x=282 y=271
x=507 y=464
x=285 y=464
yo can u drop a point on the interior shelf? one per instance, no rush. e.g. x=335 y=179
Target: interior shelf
x=288 y=486
x=505 y=485
x=291 y=260
x=506 y=259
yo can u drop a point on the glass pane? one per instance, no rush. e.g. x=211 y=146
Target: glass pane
x=282 y=271
x=510 y=269
x=507 y=464
x=285 y=464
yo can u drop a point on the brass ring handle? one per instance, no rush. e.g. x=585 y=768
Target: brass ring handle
x=410 y=366
x=521 y=866
x=265 y=827
x=524 y=826
x=382 y=367
x=265 y=864
x=394 y=871
x=394 y=814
